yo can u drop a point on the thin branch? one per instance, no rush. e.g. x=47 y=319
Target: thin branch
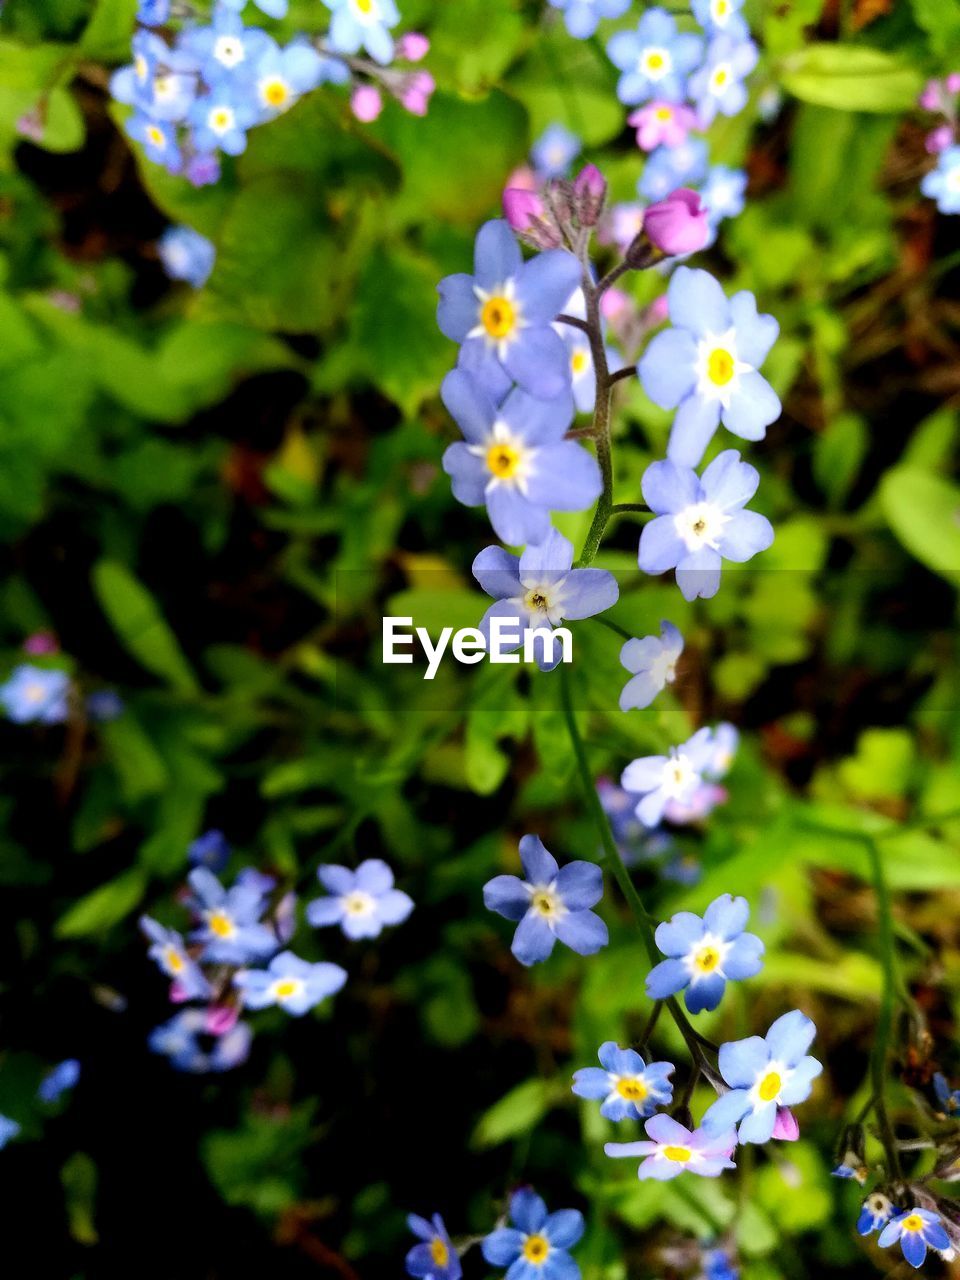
x=574 y=322
x=629 y=371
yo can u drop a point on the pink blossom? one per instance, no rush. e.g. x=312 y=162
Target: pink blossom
x=413 y=47
x=366 y=103
x=931 y=99
x=785 y=1126
x=524 y=178
x=221 y=1018
x=614 y=304
x=678 y=224
x=41 y=642
x=953 y=82
x=938 y=139
x=662 y=124
x=416 y=96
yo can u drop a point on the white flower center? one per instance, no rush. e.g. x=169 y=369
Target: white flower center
x=274 y=93
x=769 y=1084
x=229 y=51
x=705 y=958
x=679 y=776
x=545 y=597
x=221 y=120
x=357 y=903
x=546 y=902
x=720 y=11
x=700 y=525
x=507 y=457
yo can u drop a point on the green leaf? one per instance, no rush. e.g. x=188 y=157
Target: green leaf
x=516 y=1113
x=851 y=78
x=105 y=907
x=109 y=32
x=923 y=511
x=140 y=626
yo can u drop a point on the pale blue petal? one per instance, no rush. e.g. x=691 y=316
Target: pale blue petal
x=668 y=367
x=741 y=1061
x=496 y=256
x=790 y=1037
x=727 y=916
x=746 y=534
x=661 y=547
x=753 y=406
x=501 y=1247
x=699 y=574
x=533 y=940
x=458 y=307
x=725 y=1112
x=469 y=404
x=758 y=1125
x=539 y=865
x=565 y=477
x=668 y=488
x=697 y=302
x=537 y=360
x=666 y=979
x=589 y=592
x=564 y=1228
x=693 y=427
x=591 y=1082
x=527 y=1210
x=545 y=283
x=729 y=482
x=497 y=572
x=705 y=995
x=583 y=932
x=507 y=896
x=580 y=885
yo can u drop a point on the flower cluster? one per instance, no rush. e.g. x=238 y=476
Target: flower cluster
x=942 y=183
x=47 y=695
x=196 y=99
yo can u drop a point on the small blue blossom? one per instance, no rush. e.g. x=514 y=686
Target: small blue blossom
x=104 y=705
x=187 y=255
x=555 y=151
x=631 y=1089
x=948 y=1098
x=706 y=365
x=718 y=1265
x=179 y=1040
x=363 y=24
x=220 y=120
x=506 y=309
x=703 y=954
x=153 y=13
x=60 y=1080
x=668 y=168
x=211 y=850
x=718 y=86
x=272 y=8
x=535 y=1247
x=726 y=740
x=434 y=1258
x=721 y=17
x=654 y=60
x=582 y=16
x=171 y=956
x=362 y=901
x=917 y=1230
x=551 y=902
x=652 y=663
x=852 y=1168
x=231 y=932
x=671 y=1149
x=764 y=1075
x=943 y=183
x=537 y=591
x=282 y=76
x=723 y=193
x=9 y=1129
x=701 y=522
x=875 y=1212
x=293 y=984
x=226 y=48
x=34 y=695
x=159 y=140
x=660 y=779
x=515 y=460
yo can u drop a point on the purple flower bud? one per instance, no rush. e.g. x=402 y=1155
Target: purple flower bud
x=416 y=95
x=203 y=169
x=413 y=47
x=527 y=215
x=366 y=103
x=678 y=224
x=938 y=139
x=931 y=99
x=785 y=1126
x=589 y=193
x=41 y=642
x=953 y=82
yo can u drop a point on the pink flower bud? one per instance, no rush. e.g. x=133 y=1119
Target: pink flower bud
x=520 y=207
x=589 y=193
x=678 y=224
x=953 y=82
x=178 y=993
x=614 y=304
x=931 y=99
x=416 y=95
x=413 y=47
x=785 y=1126
x=41 y=642
x=31 y=126
x=221 y=1018
x=938 y=139
x=658 y=311
x=366 y=103
x=523 y=177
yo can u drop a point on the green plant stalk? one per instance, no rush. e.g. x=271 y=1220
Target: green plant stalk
x=888 y=996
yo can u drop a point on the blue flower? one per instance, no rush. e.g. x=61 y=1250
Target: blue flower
x=294 y=984
x=726 y=740
x=554 y=151
x=551 y=903
x=505 y=311
x=652 y=663
x=660 y=779
x=363 y=901
x=363 y=23
x=34 y=695
x=221 y=119
x=535 y=1247
x=851 y=1167
x=173 y=959
x=226 y=48
x=704 y=954
x=272 y=8
x=179 y=1040
x=671 y=1149
x=9 y=1129
x=701 y=522
x=231 y=931
x=718 y=84
x=187 y=255
x=60 y=1080
x=159 y=140
x=875 y=1213
x=717 y=16
x=917 y=1230
x=668 y=168
x=104 y=705
x=153 y=13
x=434 y=1258
x=583 y=381
x=723 y=193
x=160 y=81
x=706 y=365
x=212 y=850
x=948 y=1098
x=537 y=591
x=764 y=1074
x=943 y=183
x=515 y=459
x=654 y=59
x=582 y=16
x=631 y=1089
x=283 y=75
x=718 y=1265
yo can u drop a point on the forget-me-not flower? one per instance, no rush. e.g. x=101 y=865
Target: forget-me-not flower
x=664 y=124
x=211 y=849
x=717 y=86
x=535 y=1247
x=943 y=183
x=668 y=168
x=722 y=193
x=506 y=310
x=272 y=8
x=282 y=76
x=659 y=779
x=582 y=16
x=34 y=695
x=875 y=1212
x=555 y=151
x=631 y=1089
x=949 y=1099
x=540 y=589
x=671 y=1149
x=652 y=663
x=226 y=48
x=60 y=1080
x=655 y=59
x=514 y=458
x=221 y=118
x=363 y=24
x=293 y=984
x=764 y=1074
x=434 y=1258
x=706 y=365
x=551 y=902
x=171 y=956
x=187 y=255
x=917 y=1230
x=179 y=1040
x=703 y=953
x=721 y=16
x=701 y=522
x=231 y=932
x=362 y=902
x=9 y=1129
x=159 y=140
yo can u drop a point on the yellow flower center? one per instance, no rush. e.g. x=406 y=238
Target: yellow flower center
x=173 y=960
x=275 y=93
x=664 y=113
x=439 y=1252
x=578 y=362
x=655 y=61
x=721 y=8
x=535 y=1249
x=679 y=1155
x=706 y=959
x=503 y=460
x=720 y=77
x=355 y=904
x=770 y=1086
x=913 y=1223
x=544 y=902
x=221 y=119
x=499 y=317
x=632 y=1088
x=536 y=602
x=720 y=367
x=365 y=6
x=286 y=988
x=220 y=924
x=155 y=135
x=140 y=67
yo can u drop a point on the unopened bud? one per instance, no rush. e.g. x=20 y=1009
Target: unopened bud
x=366 y=103
x=589 y=194
x=528 y=216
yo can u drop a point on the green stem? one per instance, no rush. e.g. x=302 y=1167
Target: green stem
x=601 y=419
x=881 y=1046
